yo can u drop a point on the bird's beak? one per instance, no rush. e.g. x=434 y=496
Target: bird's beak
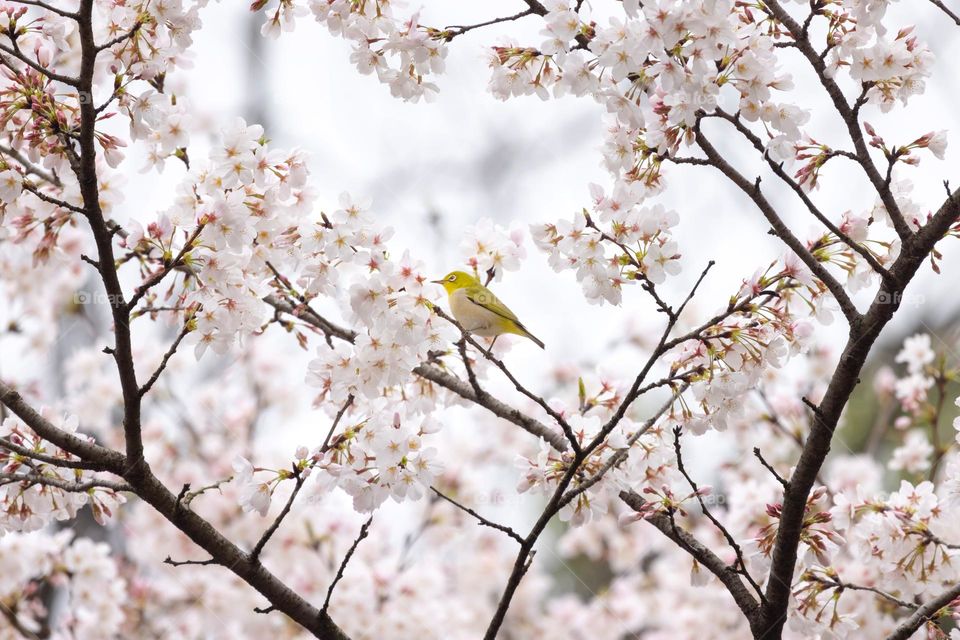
x=437 y=281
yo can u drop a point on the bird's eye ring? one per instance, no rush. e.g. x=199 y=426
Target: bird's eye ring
x=452 y=278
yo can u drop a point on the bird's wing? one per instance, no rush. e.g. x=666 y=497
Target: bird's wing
x=483 y=297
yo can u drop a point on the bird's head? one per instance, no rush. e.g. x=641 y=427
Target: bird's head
x=457 y=280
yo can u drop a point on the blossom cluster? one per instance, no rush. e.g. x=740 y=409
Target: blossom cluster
x=398 y=49
x=81 y=573
x=225 y=227
x=632 y=245
x=381 y=453
x=35 y=492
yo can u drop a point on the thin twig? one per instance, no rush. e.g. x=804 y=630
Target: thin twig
x=336 y=420
x=769 y=467
x=780 y=229
x=105 y=459
x=124 y=36
x=471 y=375
x=452 y=31
x=66 y=485
x=11 y=616
x=663 y=345
x=29 y=167
x=842 y=586
x=188 y=496
x=846 y=112
x=15 y=52
x=813 y=407
x=950 y=14
x=329 y=329
x=166 y=358
x=622 y=454
x=343 y=565
x=5 y=443
x=57 y=202
x=265 y=538
x=777 y=168
x=157 y=276
x=740 y=566
x=481 y=520
x=48 y=7
x=432 y=373
x=498 y=408
x=183 y=563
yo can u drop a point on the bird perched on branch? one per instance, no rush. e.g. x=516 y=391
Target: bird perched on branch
x=479 y=311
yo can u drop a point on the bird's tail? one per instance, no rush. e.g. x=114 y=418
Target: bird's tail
x=537 y=340
x=521 y=330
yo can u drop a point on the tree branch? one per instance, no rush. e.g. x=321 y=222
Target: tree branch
x=222 y=551
x=769 y=467
x=491 y=404
x=726 y=574
x=336 y=420
x=57 y=202
x=158 y=276
x=927 y=611
x=86 y=171
x=847 y=113
x=841 y=586
x=622 y=454
x=777 y=169
x=48 y=7
x=780 y=229
x=105 y=459
x=29 y=167
x=185 y=563
x=66 y=485
x=5 y=443
x=16 y=53
x=538 y=8
x=950 y=14
x=123 y=36
x=526 y=553
x=17 y=624
x=845 y=378
x=550 y=411
x=663 y=345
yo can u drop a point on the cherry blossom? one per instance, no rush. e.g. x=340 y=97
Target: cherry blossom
x=271 y=374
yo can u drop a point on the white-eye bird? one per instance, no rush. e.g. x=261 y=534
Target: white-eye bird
x=479 y=311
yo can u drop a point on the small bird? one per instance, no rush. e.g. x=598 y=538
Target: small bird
x=479 y=311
